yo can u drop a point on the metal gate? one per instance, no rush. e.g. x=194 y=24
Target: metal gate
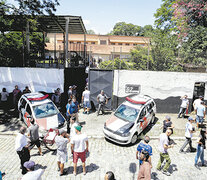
x=101 y=80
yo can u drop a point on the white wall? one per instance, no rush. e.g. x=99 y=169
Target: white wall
x=36 y=79
x=158 y=84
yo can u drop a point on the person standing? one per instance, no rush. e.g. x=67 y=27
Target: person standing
x=70 y=92
x=33 y=133
x=184 y=106
x=102 y=100
x=62 y=140
x=79 y=145
x=86 y=101
x=144 y=146
x=75 y=108
x=163 y=148
x=200 y=148
x=21 y=146
x=189 y=130
x=200 y=113
x=4 y=100
x=197 y=102
x=74 y=91
x=16 y=96
x=167 y=124
x=26 y=90
x=56 y=98
x=31 y=173
x=68 y=114
x=145 y=168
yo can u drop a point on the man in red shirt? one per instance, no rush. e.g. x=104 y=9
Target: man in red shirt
x=145 y=168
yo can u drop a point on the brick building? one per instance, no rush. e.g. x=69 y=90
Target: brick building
x=100 y=47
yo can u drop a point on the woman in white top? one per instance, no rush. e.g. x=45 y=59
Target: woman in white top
x=4 y=100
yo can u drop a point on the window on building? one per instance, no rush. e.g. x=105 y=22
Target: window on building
x=127 y=44
x=102 y=42
x=86 y=42
x=78 y=42
x=113 y=43
x=120 y=44
x=134 y=44
x=71 y=42
x=93 y=43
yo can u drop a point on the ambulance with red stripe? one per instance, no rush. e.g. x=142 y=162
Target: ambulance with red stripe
x=42 y=109
x=130 y=119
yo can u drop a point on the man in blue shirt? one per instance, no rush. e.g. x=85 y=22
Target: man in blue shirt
x=75 y=108
x=68 y=114
x=144 y=146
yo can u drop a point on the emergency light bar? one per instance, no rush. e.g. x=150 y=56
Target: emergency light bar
x=39 y=98
x=134 y=102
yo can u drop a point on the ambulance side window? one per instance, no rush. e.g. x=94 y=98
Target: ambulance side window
x=143 y=113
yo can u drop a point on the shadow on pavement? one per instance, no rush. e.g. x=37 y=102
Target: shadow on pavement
x=89 y=168
x=133 y=169
x=154 y=176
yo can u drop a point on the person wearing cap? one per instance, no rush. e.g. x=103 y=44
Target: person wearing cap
x=61 y=141
x=163 y=148
x=26 y=90
x=21 y=146
x=184 y=106
x=74 y=92
x=200 y=113
x=33 y=133
x=102 y=100
x=75 y=108
x=200 y=148
x=197 y=102
x=167 y=124
x=145 y=168
x=86 y=101
x=109 y=176
x=70 y=92
x=189 y=130
x=79 y=146
x=144 y=146
x=32 y=174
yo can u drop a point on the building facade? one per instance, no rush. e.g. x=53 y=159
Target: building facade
x=99 y=47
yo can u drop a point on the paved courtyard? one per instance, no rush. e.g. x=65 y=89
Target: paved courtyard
x=104 y=155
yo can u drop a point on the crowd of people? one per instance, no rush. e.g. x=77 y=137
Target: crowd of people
x=79 y=144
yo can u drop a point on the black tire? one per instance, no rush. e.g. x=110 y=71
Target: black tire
x=51 y=147
x=134 y=138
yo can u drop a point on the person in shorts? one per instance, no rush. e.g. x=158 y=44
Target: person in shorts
x=61 y=141
x=33 y=133
x=200 y=113
x=79 y=145
x=86 y=101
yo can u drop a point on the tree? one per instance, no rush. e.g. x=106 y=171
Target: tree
x=90 y=31
x=141 y=58
x=124 y=29
x=116 y=64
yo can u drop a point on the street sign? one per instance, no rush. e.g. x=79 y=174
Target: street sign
x=132 y=88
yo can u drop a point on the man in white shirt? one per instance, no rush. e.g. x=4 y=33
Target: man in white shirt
x=163 y=148
x=197 y=102
x=61 y=141
x=184 y=106
x=200 y=113
x=32 y=174
x=79 y=145
x=189 y=130
x=86 y=101
x=21 y=146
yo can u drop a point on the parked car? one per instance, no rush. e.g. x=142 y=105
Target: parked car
x=130 y=119
x=42 y=109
